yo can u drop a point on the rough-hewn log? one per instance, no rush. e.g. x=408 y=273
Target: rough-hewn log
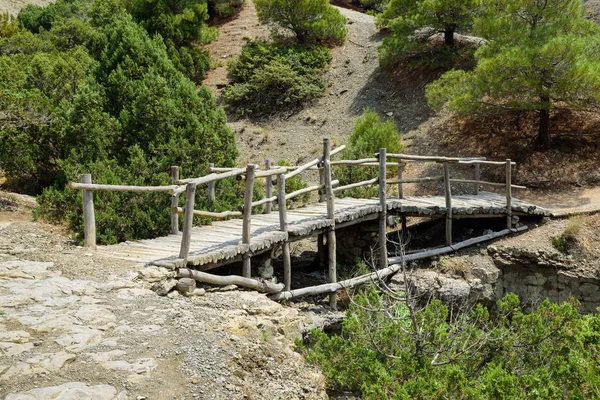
x=477 y=178
x=392 y=269
x=268 y=189
x=89 y=218
x=383 y=257
x=269 y=173
x=331 y=242
x=485 y=183
x=173 y=189
x=356 y=185
x=261 y=286
x=448 y=196
x=174 y=202
x=209 y=178
x=209 y=214
x=188 y=220
x=509 y=187
x=211 y=186
x=416 y=180
x=483 y=162
x=283 y=226
x=432 y=158
x=354 y=162
x=247 y=217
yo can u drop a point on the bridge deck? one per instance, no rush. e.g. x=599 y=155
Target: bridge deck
x=221 y=242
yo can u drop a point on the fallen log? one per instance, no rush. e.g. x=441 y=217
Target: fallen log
x=392 y=269
x=261 y=286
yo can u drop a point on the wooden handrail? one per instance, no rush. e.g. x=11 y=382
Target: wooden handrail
x=209 y=178
x=123 y=188
x=209 y=214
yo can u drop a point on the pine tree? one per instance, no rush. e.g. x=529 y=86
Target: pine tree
x=540 y=54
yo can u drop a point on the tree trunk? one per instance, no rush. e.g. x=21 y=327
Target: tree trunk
x=544 y=138
x=449 y=35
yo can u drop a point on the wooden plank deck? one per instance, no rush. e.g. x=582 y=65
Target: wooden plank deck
x=221 y=242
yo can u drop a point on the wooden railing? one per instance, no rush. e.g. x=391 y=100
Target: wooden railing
x=327 y=188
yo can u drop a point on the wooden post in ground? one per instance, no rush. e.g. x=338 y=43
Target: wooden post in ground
x=89 y=219
x=383 y=258
x=188 y=220
x=211 y=185
x=477 y=178
x=321 y=237
x=269 y=188
x=246 y=229
x=331 y=248
x=508 y=194
x=283 y=226
x=401 y=193
x=174 y=202
x=448 y=195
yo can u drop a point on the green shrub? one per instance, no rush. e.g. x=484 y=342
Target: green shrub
x=222 y=9
x=96 y=94
x=370 y=134
x=268 y=78
x=387 y=350
x=311 y=21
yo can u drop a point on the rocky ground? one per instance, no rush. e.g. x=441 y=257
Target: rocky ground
x=75 y=325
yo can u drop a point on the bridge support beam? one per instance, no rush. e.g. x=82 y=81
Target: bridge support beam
x=247 y=217
x=174 y=202
x=89 y=218
x=331 y=256
x=448 y=195
x=383 y=256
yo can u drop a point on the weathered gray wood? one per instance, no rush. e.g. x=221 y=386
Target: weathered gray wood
x=270 y=172
x=122 y=188
x=209 y=214
x=267 y=200
x=477 y=178
x=174 y=202
x=354 y=162
x=209 y=178
x=269 y=189
x=381 y=274
x=211 y=186
x=283 y=226
x=509 y=187
x=485 y=183
x=89 y=218
x=482 y=161
x=356 y=185
x=383 y=257
x=188 y=220
x=454 y=247
x=247 y=218
x=400 y=187
x=261 y=286
x=448 y=197
x=432 y=158
x=416 y=180
x=331 y=242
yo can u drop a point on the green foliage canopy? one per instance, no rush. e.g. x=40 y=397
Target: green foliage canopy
x=413 y=22
x=384 y=353
x=95 y=93
x=310 y=21
x=539 y=55
x=269 y=77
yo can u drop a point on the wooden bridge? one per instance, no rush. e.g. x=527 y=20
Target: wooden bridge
x=244 y=235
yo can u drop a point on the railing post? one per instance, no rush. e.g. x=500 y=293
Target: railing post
x=383 y=257
x=269 y=188
x=283 y=226
x=401 y=166
x=331 y=246
x=211 y=186
x=89 y=219
x=188 y=220
x=448 y=195
x=477 y=178
x=508 y=194
x=174 y=202
x=246 y=229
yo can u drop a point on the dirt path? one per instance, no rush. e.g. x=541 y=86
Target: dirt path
x=76 y=325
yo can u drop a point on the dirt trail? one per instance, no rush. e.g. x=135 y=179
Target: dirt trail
x=77 y=325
